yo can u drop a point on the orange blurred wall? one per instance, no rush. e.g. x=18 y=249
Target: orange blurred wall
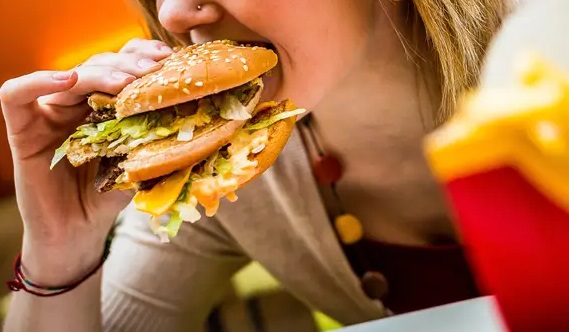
x=57 y=34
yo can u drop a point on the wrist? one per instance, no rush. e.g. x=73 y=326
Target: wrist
x=60 y=265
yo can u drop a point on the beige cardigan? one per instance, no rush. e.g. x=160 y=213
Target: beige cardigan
x=278 y=221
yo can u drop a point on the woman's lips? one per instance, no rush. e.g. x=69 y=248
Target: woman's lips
x=272 y=81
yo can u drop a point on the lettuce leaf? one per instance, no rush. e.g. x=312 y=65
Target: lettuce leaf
x=222 y=166
x=174 y=225
x=273 y=119
x=60 y=153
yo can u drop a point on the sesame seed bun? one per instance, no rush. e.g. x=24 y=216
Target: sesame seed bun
x=192 y=73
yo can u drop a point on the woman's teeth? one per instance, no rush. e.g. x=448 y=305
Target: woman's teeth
x=266 y=45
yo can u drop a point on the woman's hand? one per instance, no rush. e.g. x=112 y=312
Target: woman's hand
x=65 y=220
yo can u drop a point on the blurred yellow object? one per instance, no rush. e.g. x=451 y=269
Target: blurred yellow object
x=325 y=323
x=349 y=228
x=253 y=280
x=4 y=304
x=524 y=126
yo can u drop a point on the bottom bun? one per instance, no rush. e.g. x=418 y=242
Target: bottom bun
x=279 y=134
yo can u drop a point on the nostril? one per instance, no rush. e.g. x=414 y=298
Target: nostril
x=184 y=16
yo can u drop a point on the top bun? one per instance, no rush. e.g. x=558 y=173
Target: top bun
x=195 y=72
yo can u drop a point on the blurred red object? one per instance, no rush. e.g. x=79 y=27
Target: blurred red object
x=518 y=241
x=504 y=161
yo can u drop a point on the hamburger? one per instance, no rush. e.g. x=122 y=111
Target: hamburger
x=186 y=135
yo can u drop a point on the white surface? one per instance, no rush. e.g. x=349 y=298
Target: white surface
x=477 y=315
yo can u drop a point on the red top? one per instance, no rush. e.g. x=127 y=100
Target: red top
x=421 y=277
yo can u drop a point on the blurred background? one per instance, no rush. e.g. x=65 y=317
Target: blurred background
x=57 y=35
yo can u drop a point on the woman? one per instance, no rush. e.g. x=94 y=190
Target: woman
x=377 y=76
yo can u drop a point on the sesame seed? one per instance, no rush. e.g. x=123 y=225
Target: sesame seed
x=176 y=85
x=244 y=60
x=150 y=108
x=228 y=60
x=200 y=60
x=199 y=83
x=137 y=106
x=159 y=99
x=186 y=91
x=215 y=51
x=245 y=68
x=255 y=48
x=234 y=56
x=188 y=81
x=173 y=79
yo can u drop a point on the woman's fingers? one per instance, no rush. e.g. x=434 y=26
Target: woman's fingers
x=24 y=90
x=111 y=72
x=91 y=79
x=107 y=72
x=18 y=96
x=150 y=48
x=131 y=63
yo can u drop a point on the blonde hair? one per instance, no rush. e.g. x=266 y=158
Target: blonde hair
x=457 y=34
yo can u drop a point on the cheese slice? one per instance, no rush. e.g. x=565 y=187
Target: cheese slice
x=162 y=196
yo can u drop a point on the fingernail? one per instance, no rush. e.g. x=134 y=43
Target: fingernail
x=62 y=75
x=147 y=63
x=120 y=76
x=166 y=49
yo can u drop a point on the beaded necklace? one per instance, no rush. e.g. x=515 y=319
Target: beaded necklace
x=328 y=170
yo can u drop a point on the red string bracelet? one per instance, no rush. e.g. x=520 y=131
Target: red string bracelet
x=20 y=282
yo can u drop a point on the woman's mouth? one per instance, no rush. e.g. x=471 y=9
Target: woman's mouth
x=266 y=45
x=272 y=79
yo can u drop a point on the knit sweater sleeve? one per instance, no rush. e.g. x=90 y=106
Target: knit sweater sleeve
x=153 y=286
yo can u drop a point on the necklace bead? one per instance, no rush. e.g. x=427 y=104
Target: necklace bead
x=349 y=228
x=375 y=285
x=327 y=170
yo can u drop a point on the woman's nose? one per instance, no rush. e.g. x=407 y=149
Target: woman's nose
x=181 y=16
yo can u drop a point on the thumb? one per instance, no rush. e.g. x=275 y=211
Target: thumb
x=112 y=202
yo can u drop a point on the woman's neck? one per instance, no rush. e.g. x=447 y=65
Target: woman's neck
x=375 y=121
